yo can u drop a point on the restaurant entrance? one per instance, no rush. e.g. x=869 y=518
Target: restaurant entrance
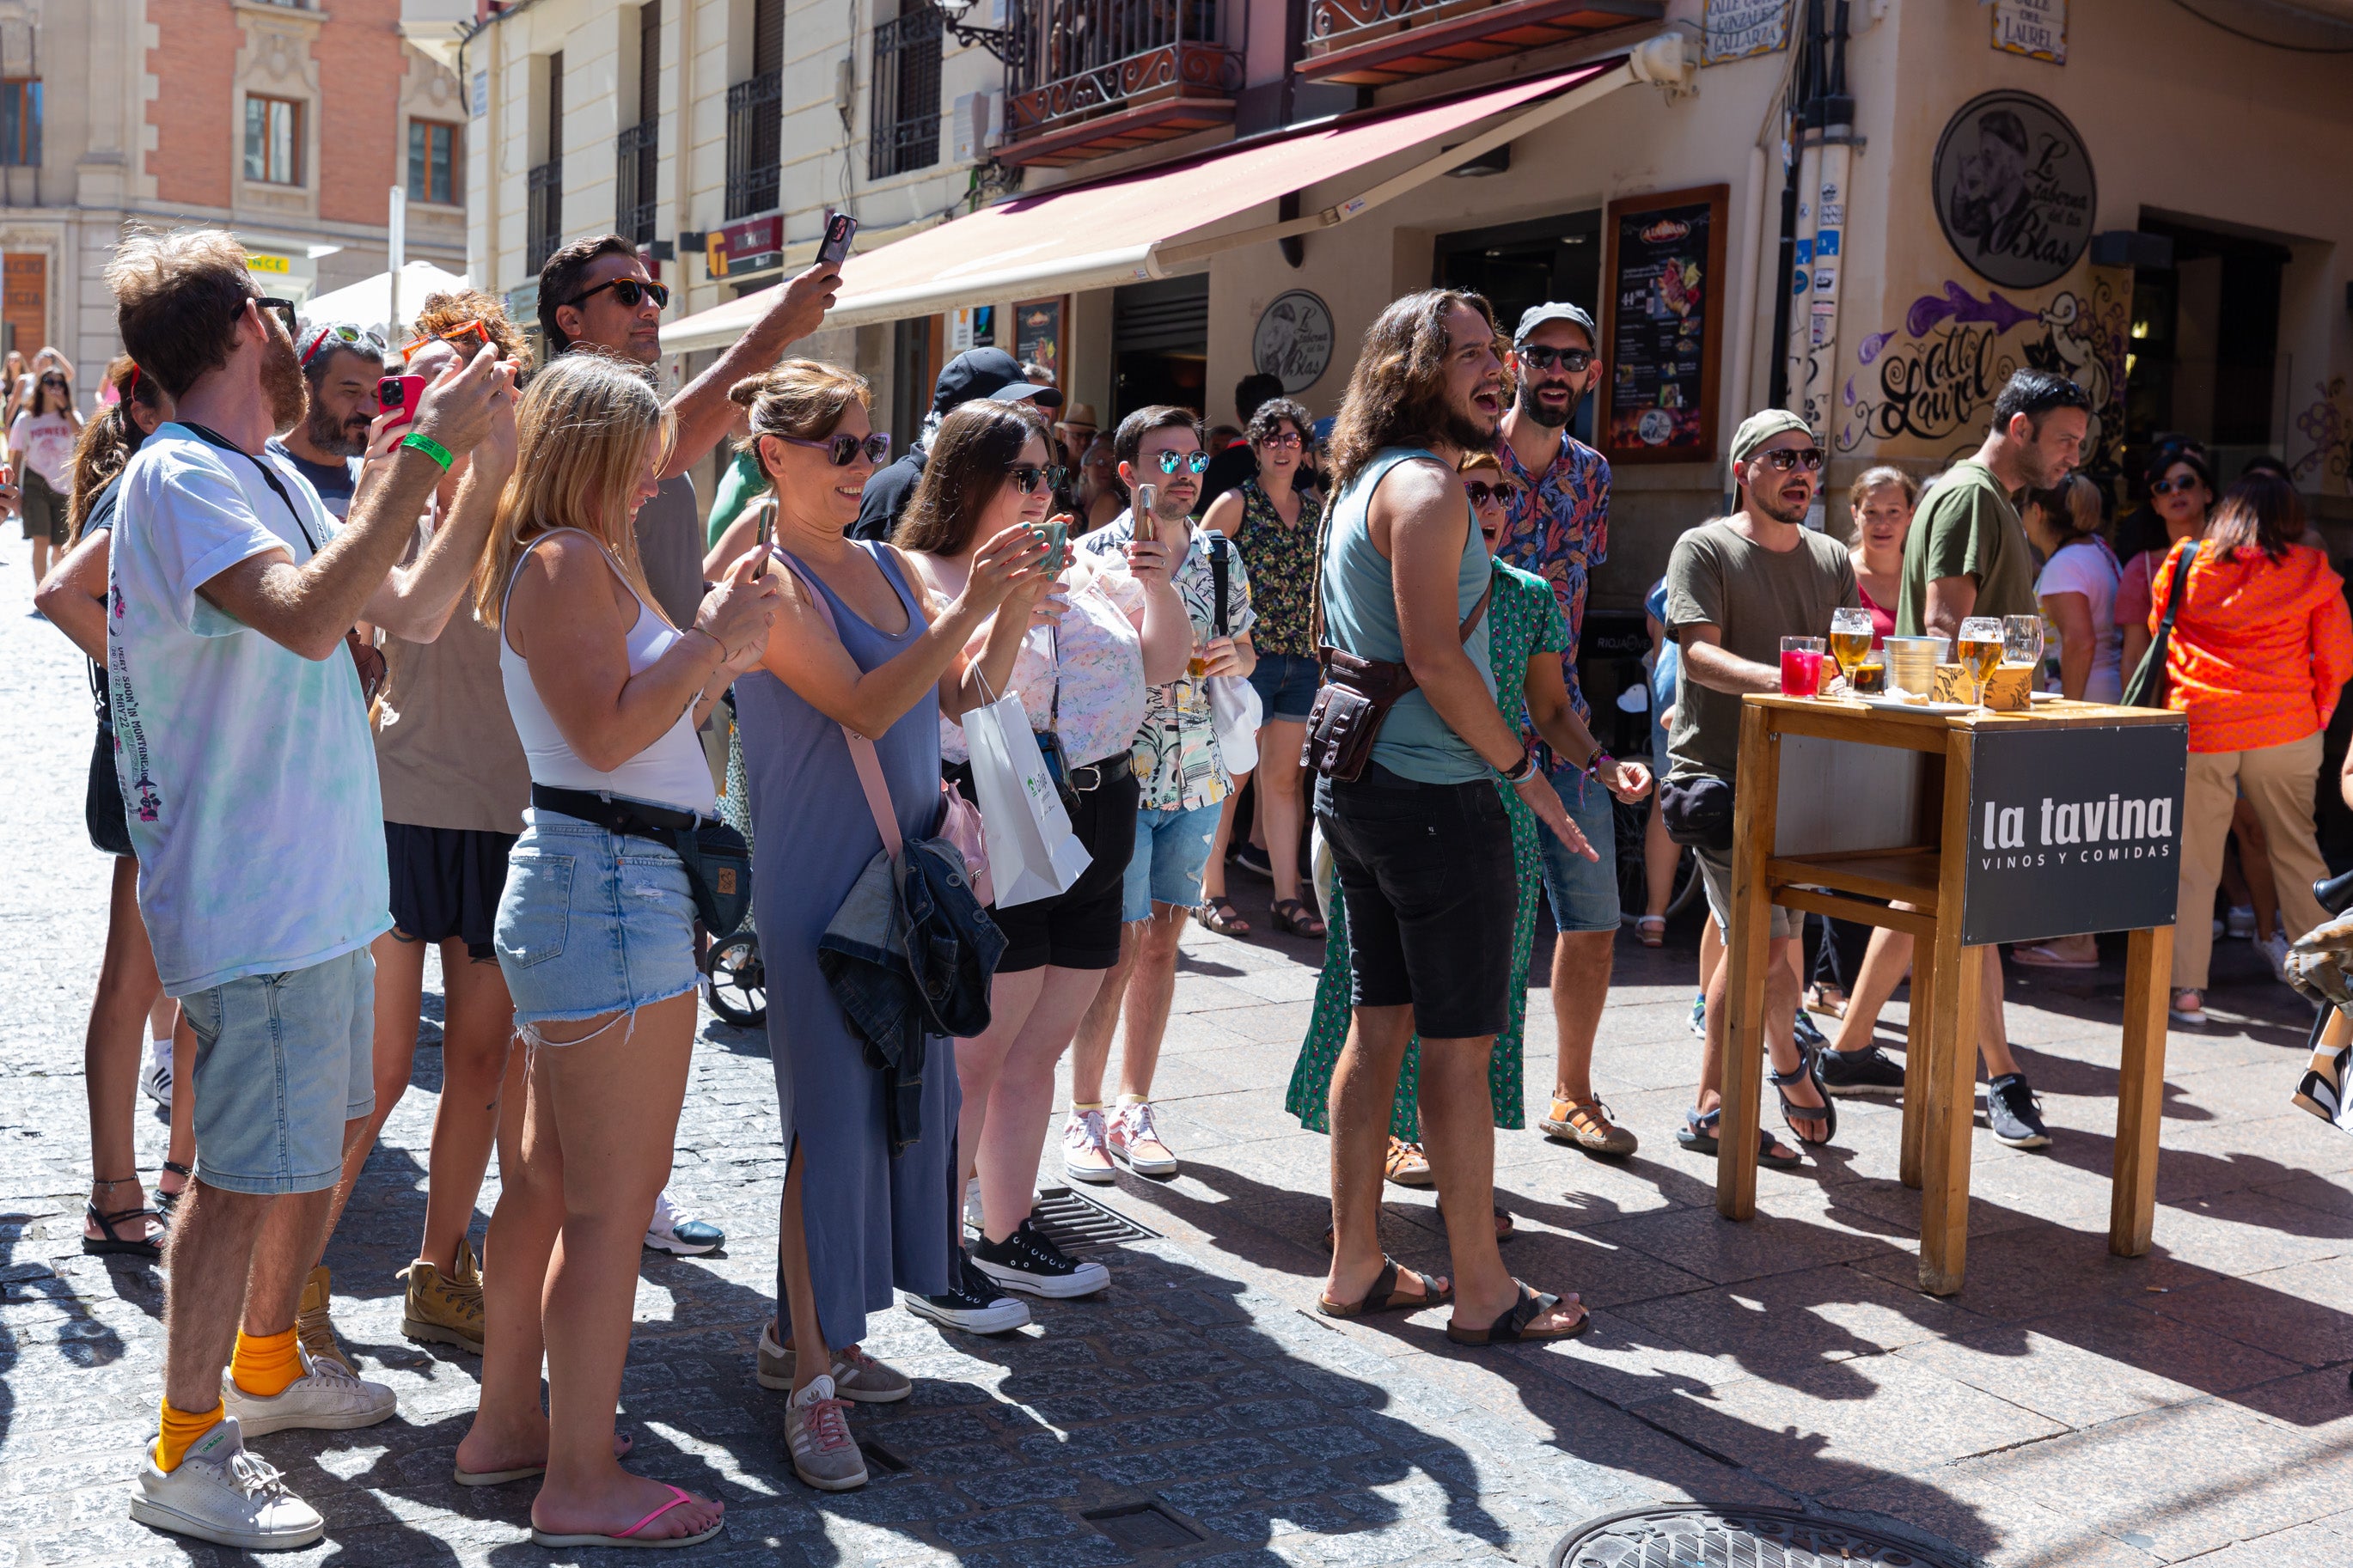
x=1160 y=346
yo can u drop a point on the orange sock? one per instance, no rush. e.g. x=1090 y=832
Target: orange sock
x=179 y=1430
x=263 y=1367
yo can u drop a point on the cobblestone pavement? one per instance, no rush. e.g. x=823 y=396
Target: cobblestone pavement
x=2067 y=1407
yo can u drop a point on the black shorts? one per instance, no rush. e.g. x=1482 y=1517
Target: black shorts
x=1427 y=878
x=445 y=883
x=1079 y=929
x=101 y=810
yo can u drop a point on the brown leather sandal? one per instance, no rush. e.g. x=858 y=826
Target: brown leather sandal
x=1513 y=1326
x=1383 y=1298
x=1220 y=915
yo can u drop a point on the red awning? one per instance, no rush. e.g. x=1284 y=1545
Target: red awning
x=1159 y=222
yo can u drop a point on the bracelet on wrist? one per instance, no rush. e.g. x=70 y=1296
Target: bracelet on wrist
x=1525 y=771
x=430 y=448
x=1594 y=764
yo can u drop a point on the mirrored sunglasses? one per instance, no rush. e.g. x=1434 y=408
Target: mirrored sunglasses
x=1198 y=462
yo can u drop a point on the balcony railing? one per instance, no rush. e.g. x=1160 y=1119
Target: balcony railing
x=543 y=229
x=755 y=127
x=1370 y=43
x=1079 y=59
x=638 y=156
x=906 y=131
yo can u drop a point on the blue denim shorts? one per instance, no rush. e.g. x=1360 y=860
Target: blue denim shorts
x=592 y=922
x=1171 y=848
x=283 y=1062
x=1285 y=683
x=1583 y=893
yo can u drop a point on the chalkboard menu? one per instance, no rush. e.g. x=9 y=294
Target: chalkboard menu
x=1664 y=294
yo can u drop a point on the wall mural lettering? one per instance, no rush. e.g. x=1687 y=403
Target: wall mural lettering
x=2013 y=189
x=2328 y=424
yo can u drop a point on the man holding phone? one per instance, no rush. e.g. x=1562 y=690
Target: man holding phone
x=340 y=367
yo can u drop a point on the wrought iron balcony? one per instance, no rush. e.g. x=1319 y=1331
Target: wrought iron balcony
x=755 y=143
x=544 y=223
x=1091 y=77
x=1370 y=43
x=639 y=155
x=906 y=127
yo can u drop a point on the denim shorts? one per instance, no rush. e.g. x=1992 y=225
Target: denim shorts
x=1427 y=878
x=591 y=921
x=1583 y=893
x=283 y=1062
x=1171 y=848
x=1285 y=683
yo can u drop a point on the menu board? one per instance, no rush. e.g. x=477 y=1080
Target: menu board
x=1037 y=332
x=1661 y=347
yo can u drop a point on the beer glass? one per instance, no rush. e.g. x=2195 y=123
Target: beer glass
x=1850 y=642
x=2021 y=642
x=1979 y=649
x=1801 y=667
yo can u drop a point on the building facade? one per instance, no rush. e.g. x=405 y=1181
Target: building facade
x=286 y=122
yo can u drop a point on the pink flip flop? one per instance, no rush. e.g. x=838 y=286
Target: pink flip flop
x=2038 y=956
x=630 y=1536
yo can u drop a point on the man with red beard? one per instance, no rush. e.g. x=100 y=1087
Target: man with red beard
x=1736 y=587
x=249 y=783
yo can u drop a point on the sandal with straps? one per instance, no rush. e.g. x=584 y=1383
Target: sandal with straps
x=167 y=1204
x=1698 y=1137
x=1809 y=1069
x=1293 y=916
x=1220 y=915
x=1513 y=1326
x=112 y=1244
x=1383 y=1298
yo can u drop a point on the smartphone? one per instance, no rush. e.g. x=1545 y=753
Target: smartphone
x=1058 y=544
x=401 y=392
x=1146 y=497
x=834 y=249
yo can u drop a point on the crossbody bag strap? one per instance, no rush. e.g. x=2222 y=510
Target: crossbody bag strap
x=2180 y=588
x=862 y=756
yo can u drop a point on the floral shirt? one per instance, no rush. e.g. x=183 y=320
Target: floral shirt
x=1559 y=528
x=1283 y=571
x=1082 y=678
x=1176 y=745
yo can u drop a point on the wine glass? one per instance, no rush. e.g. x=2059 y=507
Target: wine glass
x=1979 y=649
x=1849 y=640
x=2021 y=642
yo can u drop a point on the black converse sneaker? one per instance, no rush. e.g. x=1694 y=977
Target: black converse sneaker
x=975 y=1305
x=1027 y=1260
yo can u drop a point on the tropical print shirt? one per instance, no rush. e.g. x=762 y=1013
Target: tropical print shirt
x=1559 y=528
x=1177 y=759
x=1283 y=571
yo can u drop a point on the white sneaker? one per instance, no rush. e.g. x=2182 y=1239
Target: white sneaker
x=1133 y=1125
x=2241 y=922
x=2274 y=951
x=222 y=1494
x=155 y=1078
x=817 y=1431
x=327 y=1397
x=674 y=1230
x=1086 y=1157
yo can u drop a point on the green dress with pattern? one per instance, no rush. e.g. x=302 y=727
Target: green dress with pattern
x=1524 y=619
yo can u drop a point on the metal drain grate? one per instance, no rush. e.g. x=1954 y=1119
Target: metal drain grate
x=1692 y=1536
x=1072 y=1221
x=1143 y=1527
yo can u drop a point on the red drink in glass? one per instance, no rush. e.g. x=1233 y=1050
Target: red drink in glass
x=1802 y=672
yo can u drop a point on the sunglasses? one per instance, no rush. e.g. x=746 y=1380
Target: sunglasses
x=1482 y=493
x=1538 y=357
x=344 y=333
x=841 y=450
x=630 y=291
x=2174 y=487
x=469 y=339
x=1027 y=477
x=1288 y=438
x=287 y=311
x=57 y=381
x=1785 y=458
x=1199 y=462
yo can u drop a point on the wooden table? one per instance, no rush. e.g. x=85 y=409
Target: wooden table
x=1880 y=809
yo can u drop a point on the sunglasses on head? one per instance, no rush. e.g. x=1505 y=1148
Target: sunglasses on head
x=1198 y=462
x=1027 y=477
x=630 y=291
x=344 y=333
x=1482 y=493
x=2182 y=486
x=840 y=449
x=469 y=339
x=1536 y=356
x=1785 y=458
x=1282 y=438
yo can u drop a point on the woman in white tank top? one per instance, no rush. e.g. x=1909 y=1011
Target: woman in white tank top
x=595 y=935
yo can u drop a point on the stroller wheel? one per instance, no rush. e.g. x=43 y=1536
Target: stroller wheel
x=735 y=982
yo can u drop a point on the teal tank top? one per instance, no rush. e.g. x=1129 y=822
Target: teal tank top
x=1360 y=617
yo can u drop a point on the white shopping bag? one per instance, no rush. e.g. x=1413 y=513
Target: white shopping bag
x=1234 y=708
x=1032 y=853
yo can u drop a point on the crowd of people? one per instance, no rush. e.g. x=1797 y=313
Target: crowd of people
x=480 y=665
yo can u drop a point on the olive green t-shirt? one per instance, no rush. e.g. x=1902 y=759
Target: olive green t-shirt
x=1967 y=528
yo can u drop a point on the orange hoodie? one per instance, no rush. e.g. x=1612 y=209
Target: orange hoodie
x=2261 y=650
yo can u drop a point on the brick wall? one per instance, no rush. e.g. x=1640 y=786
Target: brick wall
x=194 y=62
x=361 y=152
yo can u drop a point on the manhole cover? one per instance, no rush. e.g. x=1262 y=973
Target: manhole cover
x=1698 y=1537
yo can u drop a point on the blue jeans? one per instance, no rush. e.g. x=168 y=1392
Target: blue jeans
x=283 y=1062
x=1583 y=893
x=1171 y=848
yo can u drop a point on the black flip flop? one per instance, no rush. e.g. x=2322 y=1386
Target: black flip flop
x=1383 y=1298
x=1512 y=1327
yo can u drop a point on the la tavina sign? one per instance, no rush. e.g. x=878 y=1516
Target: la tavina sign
x=2073 y=830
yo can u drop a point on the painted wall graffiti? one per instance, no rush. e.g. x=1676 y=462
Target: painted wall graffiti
x=1924 y=388
x=2328 y=424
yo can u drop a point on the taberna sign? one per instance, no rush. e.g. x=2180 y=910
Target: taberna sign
x=2073 y=830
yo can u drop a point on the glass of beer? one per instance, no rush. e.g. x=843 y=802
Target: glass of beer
x=1978 y=647
x=1801 y=667
x=2021 y=644
x=1851 y=643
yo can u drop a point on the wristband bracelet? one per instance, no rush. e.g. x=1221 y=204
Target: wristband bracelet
x=430 y=448
x=1524 y=772
x=1593 y=764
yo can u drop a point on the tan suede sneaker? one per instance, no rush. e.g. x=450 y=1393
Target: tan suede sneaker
x=445 y=1309
x=313 y=1326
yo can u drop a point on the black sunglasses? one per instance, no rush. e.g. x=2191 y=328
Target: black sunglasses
x=287 y=310
x=1027 y=477
x=1787 y=457
x=630 y=291
x=57 y=381
x=1539 y=357
x=2167 y=486
x=1197 y=461
x=840 y=449
x=1482 y=493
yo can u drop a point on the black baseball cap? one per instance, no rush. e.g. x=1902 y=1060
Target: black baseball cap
x=976 y=374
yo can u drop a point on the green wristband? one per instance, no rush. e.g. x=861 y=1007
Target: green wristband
x=430 y=448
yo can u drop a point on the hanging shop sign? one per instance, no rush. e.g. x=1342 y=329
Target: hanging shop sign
x=1662 y=349
x=2036 y=28
x=1294 y=341
x=1037 y=327
x=1735 y=29
x=2014 y=190
x=2073 y=831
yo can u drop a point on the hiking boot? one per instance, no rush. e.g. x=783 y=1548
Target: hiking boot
x=1586 y=1124
x=328 y=1397
x=816 y=1435
x=220 y=1493
x=314 y=1328
x=1866 y=1071
x=678 y=1232
x=2015 y=1112
x=974 y=1304
x=1027 y=1260
x=856 y=1374
x=445 y=1309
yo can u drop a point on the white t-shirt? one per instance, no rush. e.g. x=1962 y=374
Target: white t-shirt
x=248 y=777
x=2085 y=567
x=48 y=442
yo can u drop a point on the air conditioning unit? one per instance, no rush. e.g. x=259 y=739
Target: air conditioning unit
x=976 y=118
